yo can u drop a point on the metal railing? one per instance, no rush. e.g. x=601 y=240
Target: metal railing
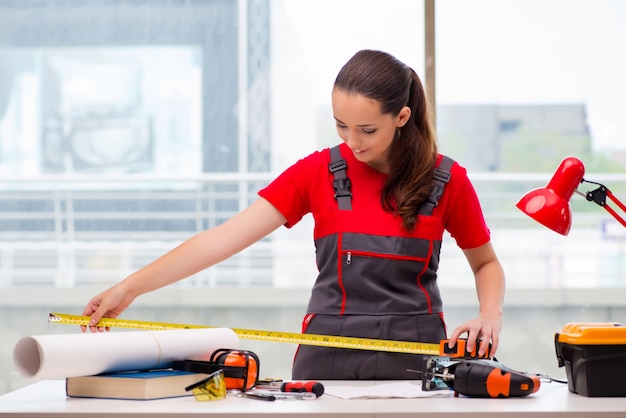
x=79 y=231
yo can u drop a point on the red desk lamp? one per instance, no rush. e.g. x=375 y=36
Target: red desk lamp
x=550 y=205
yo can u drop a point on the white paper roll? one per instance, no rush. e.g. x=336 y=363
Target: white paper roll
x=66 y=355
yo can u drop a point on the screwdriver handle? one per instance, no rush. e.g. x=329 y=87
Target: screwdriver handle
x=312 y=387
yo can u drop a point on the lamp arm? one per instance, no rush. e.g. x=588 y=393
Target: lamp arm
x=599 y=196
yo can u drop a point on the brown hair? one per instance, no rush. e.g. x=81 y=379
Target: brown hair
x=381 y=77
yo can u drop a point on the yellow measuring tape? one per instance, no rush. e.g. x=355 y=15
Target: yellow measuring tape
x=275 y=336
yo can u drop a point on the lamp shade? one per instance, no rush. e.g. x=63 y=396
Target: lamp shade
x=550 y=205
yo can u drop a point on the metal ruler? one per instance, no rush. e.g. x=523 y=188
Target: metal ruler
x=409 y=347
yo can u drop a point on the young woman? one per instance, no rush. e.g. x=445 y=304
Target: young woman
x=381 y=202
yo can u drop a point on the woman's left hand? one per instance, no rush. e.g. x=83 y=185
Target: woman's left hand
x=485 y=328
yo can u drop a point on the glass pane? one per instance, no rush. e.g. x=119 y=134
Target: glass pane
x=126 y=127
x=132 y=109
x=311 y=40
x=523 y=68
x=520 y=86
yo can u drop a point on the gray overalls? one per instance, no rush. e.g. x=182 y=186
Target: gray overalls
x=379 y=286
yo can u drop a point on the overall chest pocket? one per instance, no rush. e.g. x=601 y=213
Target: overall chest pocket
x=372 y=266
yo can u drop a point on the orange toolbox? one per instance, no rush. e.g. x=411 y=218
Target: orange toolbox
x=594 y=357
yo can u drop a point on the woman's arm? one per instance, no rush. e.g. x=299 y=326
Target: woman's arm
x=195 y=254
x=490 y=285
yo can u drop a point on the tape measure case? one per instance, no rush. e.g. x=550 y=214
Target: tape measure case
x=594 y=357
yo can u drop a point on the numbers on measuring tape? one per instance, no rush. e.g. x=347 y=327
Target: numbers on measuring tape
x=305 y=339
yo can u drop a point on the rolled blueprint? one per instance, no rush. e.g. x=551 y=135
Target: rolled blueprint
x=67 y=355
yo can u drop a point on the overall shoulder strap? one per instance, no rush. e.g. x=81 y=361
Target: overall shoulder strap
x=341 y=184
x=440 y=177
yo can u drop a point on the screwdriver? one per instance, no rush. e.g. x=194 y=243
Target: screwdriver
x=271 y=395
x=307 y=387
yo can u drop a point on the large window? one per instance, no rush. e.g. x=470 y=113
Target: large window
x=126 y=127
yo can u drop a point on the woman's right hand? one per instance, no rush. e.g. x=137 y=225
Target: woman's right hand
x=108 y=304
x=197 y=253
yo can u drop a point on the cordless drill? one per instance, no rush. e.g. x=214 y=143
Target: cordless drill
x=481 y=378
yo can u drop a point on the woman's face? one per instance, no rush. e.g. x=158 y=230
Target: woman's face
x=365 y=129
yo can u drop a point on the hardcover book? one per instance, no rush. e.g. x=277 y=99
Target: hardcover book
x=142 y=385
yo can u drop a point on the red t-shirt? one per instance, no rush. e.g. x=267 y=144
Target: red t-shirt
x=304 y=188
